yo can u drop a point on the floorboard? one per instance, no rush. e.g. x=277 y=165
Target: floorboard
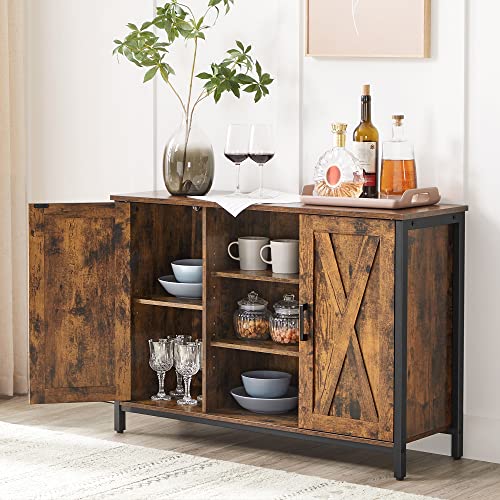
x=428 y=474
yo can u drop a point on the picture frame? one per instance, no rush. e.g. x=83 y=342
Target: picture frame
x=368 y=28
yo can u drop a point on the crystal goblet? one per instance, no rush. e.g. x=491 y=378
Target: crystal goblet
x=187 y=362
x=178 y=392
x=161 y=360
x=200 y=346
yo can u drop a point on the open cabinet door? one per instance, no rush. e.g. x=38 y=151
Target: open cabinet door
x=79 y=302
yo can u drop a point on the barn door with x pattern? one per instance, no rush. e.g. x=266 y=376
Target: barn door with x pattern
x=347 y=360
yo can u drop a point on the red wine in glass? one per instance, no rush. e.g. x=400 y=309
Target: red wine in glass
x=261 y=158
x=261 y=149
x=236 y=158
x=237 y=149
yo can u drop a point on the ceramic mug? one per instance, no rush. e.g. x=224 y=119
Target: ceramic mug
x=284 y=256
x=250 y=252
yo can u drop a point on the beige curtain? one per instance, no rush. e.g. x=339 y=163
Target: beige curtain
x=13 y=218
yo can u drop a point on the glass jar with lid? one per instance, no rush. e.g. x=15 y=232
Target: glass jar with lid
x=251 y=319
x=284 y=327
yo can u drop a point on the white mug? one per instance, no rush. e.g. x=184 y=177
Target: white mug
x=249 y=252
x=284 y=256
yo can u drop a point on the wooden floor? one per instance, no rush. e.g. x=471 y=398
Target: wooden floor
x=432 y=475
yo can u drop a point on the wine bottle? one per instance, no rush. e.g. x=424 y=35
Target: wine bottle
x=365 y=146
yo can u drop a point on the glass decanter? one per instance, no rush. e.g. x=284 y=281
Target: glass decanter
x=399 y=172
x=338 y=172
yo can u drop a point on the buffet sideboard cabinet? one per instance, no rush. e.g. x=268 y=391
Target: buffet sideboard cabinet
x=380 y=360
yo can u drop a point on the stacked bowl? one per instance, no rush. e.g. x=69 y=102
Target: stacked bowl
x=187 y=280
x=266 y=391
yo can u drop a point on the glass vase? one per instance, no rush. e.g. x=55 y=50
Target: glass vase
x=188 y=162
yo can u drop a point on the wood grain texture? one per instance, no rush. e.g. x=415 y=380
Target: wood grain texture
x=88 y=261
x=122 y=301
x=79 y=302
x=346 y=372
x=224 y=366
x=160 y=235
x=162 y=197
x=150 y=322
x=266 y=275
x=175 y=302
x=265 y=346
x=37 y=325
x=430 y=308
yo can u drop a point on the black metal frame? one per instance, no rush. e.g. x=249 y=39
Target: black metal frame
x=400 y=354
x=400 y=334
x=119 y=416
x=400 y=344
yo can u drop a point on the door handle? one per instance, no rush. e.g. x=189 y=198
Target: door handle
x=303 y=309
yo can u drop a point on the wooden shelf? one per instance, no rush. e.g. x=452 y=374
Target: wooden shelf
x=258 y=276
x=165 y=301
x=164 y=406
x=237 y=415
x=265 y=346
x=287 y=422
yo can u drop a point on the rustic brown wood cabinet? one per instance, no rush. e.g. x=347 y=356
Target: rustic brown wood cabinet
x=380 y=361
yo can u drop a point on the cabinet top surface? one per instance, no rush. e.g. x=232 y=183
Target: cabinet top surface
x=164 y=198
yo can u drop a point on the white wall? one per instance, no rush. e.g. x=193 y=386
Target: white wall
x=95 y=129
x=90 y=128
x=482 y=187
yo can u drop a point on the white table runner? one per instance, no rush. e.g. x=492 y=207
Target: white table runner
x=236 y=204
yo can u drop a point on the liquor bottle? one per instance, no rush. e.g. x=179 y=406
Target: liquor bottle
x=365 y=146
x=398 y=162
x=338 y=172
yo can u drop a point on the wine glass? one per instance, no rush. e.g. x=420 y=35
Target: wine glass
x=187 y=362
x=261 y=149
x=200 y=347
x=178 y=392
x=161 y=360
x=236 y=149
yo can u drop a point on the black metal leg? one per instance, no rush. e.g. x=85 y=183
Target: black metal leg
x=399 y=459
x=119 y=418
x=458 y=337
x=400 y=349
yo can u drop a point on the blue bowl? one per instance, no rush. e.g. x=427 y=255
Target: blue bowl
x=266 y=383
x=188 y=270
x=271 y=406
x=181 y=290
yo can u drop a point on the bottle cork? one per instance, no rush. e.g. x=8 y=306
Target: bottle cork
x=398 y=119
x=366 y=89
x=339 y=127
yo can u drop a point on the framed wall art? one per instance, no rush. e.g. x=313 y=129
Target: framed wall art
x=368 y=28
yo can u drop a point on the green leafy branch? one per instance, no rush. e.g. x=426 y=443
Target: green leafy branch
x=233 y=74
x=147 y=49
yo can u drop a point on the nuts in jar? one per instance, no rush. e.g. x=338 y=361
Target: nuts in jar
x=284 y=334
x=257 y=328
x=251 y=320
x=284 y=323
